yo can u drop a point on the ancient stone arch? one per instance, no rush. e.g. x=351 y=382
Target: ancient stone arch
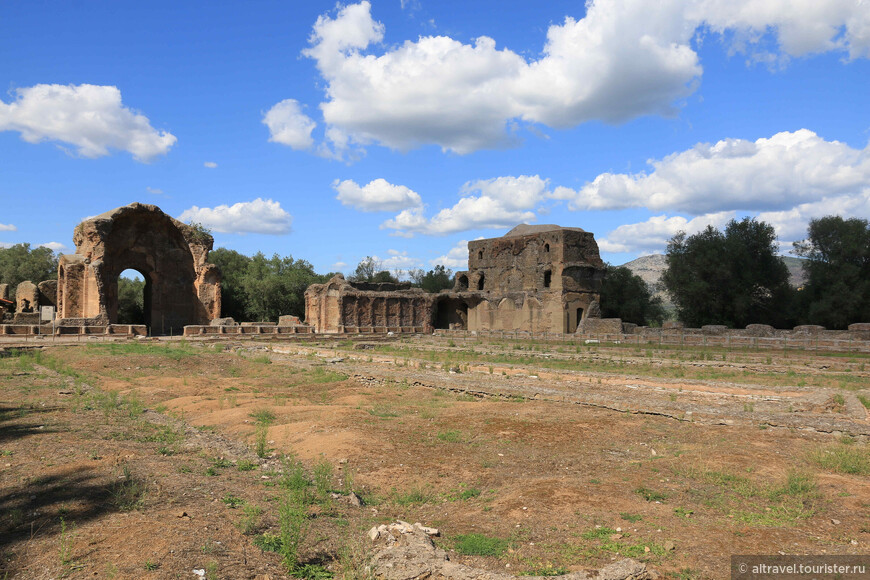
x=181 y=288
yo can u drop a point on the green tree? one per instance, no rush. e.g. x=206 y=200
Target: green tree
x=371 y=269
x=625 y=295
x=131 y=303
x=733 y=278
x=837 y=269
x=433 y=281
x=19 y=263
x=275 y=286
x=234 y=268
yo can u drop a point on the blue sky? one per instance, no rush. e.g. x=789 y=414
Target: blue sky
x=403 y=129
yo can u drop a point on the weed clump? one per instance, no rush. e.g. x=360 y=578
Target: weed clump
x=480 y=545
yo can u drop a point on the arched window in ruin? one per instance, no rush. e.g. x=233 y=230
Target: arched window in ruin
x=547 y=248
x=480 y=282
x=462 y=282
x=548 y=278
x=480 y=255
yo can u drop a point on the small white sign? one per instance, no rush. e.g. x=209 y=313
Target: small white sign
x=47 y=314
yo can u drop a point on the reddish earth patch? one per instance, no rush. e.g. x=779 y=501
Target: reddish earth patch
x=540 y=459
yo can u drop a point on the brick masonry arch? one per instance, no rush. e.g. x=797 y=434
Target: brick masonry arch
x=183 y=287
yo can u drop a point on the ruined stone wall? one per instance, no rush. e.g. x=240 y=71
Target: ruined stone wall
x=342 y=306
x=535 y=278
x=181 y=287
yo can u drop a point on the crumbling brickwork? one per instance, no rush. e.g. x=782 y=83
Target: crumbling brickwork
x=343 y=306
x=181 y=288
x=534 y=278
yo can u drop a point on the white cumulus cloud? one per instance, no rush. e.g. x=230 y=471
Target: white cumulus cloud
x=767 y=174
x=89 y=117
x=260 y=216
x=623 y=59
x=398 y=260
x=377 y=195
x=491 y=203
x=8 y=228
x=210 y=164
x=54 y=246
x=784 y=180
x=456 y=258
x=288 y=125
x=653 y=235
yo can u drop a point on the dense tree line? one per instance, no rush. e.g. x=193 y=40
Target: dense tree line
x=733 y=277
x=736 y=278
x=837 y=269
x=257 y=288
x=625 y=295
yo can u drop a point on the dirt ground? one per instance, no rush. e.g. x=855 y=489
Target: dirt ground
x=157 y=458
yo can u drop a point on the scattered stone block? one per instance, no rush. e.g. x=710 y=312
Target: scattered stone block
x=600 y=326
x=760 y=330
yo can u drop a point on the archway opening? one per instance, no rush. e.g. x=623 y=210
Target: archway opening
x=463 y=282
x=451 y=314
x=548 y=278
x=134 y=298
x=480 y=282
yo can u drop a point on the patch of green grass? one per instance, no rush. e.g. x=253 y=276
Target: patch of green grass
x=415 y=496
x=469 y=493
x=864 y=400
x=323 y=477
x=128 y=492
x=778 y=515
x=321 y=375
x=451 y=436
x=383 y=411
x=685 y=574
x=682 y=512
x=650 y=494
x=849 y=459
x=740 y=485
x=263 y=416
x=232 y=501
x=294 y=477
x=630 y=517
x=797 y=484
x=292 y=525
x=150 y=565
x=480 y=545
x=268 y=542
x=261 y=436
x=598 y=533
x=546 y=569
x=250 y=520
x=245 y=465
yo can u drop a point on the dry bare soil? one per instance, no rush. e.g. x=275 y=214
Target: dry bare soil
x=153 y=459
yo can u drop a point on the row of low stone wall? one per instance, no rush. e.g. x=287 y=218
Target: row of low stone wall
x=200 y=330
x=48 y=330
x=834 y=340
x=381 y=329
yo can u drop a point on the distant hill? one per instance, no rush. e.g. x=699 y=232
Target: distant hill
x=795 y=271
x=650 y=269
